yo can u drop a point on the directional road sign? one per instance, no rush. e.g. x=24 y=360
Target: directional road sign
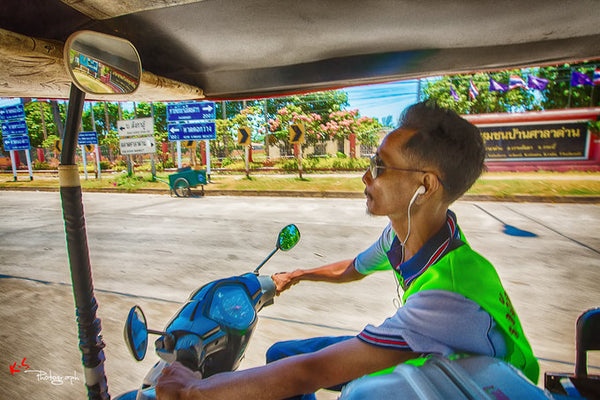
x=89 y=137
x=192 y=131
x=137 y=145
x=204 y=110
x=244 y=137
x=14 y=128
x=136 y=127
x=297 y=133
x=12 y=112
x=16 y=142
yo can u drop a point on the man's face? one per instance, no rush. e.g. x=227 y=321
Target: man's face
x=390 y=193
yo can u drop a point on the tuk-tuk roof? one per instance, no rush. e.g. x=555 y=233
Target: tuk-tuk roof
x=227 y=49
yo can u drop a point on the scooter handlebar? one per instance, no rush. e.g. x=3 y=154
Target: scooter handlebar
x=268 y=288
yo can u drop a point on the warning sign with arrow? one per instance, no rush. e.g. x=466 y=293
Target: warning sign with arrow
x=244 y=136
x=297 y=133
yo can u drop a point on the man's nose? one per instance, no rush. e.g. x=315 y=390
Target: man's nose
x=367 y=176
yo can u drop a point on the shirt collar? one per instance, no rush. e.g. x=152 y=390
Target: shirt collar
x=435 y=248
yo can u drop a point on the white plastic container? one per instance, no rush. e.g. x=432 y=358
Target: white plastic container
x=477 y=377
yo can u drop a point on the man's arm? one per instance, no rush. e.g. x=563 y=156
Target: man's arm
x=338 y=363
x=338 y=272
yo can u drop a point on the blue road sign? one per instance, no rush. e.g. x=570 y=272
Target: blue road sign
x=89 y=137
x=204 y=110
x=192 y=131
x=12 y=112
x=16 y=143
x=14 y=128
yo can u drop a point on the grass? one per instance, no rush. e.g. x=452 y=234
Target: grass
x=499 y=185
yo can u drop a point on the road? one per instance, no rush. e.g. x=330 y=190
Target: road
x=153 y=250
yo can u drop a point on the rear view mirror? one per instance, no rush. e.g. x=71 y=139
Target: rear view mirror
x=288 y=237
x=102 y=64
x=136 y=333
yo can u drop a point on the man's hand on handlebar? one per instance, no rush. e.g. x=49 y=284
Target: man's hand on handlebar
x=283 y=281
x=175 y=381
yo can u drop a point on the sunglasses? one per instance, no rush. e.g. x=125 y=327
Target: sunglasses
x=376 y=164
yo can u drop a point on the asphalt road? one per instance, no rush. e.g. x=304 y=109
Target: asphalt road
x=153 y=250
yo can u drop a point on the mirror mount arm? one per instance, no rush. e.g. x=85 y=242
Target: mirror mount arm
x=265 y=260
x=90 y=340
x=160 y=333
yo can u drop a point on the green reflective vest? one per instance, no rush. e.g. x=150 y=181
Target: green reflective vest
x=466 y=272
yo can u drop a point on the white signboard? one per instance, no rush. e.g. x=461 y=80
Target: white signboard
x=138 y=145
x=136 y=127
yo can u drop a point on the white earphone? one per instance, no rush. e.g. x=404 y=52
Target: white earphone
x=421 y=190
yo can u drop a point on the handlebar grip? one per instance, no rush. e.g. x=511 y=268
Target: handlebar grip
x=267 y=285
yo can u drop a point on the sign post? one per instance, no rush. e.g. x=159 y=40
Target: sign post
x=15 y=135
x=85 y=140
x=245 y=139
x=137 y=137
x=192 y=121
x=297 y=138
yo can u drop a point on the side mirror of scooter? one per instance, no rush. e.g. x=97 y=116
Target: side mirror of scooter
x=288 y=237
x=102 y=64
x=136 y=333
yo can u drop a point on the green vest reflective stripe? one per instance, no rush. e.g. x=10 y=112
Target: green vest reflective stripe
x=462 y=271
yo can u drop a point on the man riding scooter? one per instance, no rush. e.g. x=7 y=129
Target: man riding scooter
x=453 y=300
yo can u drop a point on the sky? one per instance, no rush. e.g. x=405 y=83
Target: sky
x=381 y=100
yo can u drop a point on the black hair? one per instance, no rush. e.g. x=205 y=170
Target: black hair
x=446 y=142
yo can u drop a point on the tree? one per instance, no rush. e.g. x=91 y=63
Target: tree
x=321 y=103
x=558 y=93
x=343 y=123
x=294 y=114
x=486 y=101
x=40 y=123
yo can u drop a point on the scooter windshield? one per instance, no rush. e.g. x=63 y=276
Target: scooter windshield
x=231 y=308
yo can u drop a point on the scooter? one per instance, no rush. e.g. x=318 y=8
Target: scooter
x=210 y=333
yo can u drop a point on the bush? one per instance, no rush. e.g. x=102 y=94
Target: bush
x=168 y=164
x=226 y=161
x=41 y=165
x=339 y=154
x=351 y=163
x=289 y=165
x=104 y=165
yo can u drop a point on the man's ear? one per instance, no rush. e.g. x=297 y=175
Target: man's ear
x=432 y=185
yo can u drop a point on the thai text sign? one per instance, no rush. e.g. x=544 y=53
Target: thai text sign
x=16 y=143
x=537 y=141
x=88 y=137
x=12 y=112
x=192 y=131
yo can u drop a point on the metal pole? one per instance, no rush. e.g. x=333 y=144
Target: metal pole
x=300 y=159
x=178 y=154
x=207 y=160
x=84 y=156
x=98 y=161
x=14 y=164
x=267 y=145
x=247 y=151
x=152 y=164
x=97 y=150
x=28 y=156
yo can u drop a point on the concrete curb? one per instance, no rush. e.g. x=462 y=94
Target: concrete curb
x=315 y=194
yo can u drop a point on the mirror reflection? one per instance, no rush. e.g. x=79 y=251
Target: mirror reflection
x=102 y=64
x=136 y=333
x=288 y=237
